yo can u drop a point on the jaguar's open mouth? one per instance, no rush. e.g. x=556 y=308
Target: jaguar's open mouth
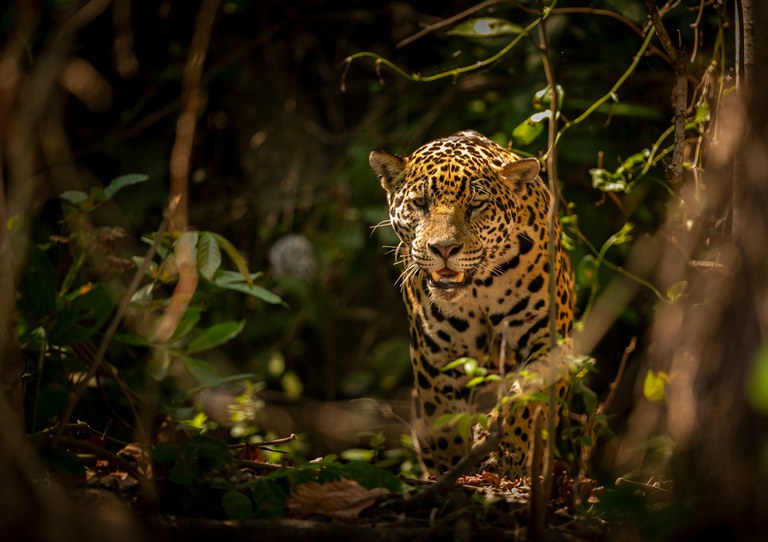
x=448 y=279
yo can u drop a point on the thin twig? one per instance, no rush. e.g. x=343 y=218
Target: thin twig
x=674 y=171
x=445 y=22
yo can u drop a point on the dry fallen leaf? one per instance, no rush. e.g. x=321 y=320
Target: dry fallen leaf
x=342 y=500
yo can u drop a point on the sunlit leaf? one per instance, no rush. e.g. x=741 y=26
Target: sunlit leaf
x=677 y=290
x=215 y=335
x=606 y=181
x=528 y=130
x=484 y=27
x=542 y=98
x=474 y=382
x=654 y=385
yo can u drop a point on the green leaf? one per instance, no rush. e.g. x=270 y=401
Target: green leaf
x=654 y=385
x=75 y=197
x=484 y=27
x=531 y=128
x=121 y=182
x=204 y=372
x=208 y=255
x=608 y=182
x=188 y=322
x=543 y=97
x=358 y=454
x=370 y=476
x=237 y=505
x=234 y=281
x=215 y=335
x=474 y=382
x=235 y=256
x=81 y=318
x=757 y=382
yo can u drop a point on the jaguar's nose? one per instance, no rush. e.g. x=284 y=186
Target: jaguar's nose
x=444 y=250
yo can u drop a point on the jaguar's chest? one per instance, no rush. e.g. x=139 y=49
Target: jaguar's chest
x=510 y=306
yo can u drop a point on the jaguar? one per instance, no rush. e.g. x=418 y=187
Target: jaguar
x=473 y=220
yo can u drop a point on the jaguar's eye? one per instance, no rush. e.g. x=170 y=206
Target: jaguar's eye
x=420 y=202
x=477 y=203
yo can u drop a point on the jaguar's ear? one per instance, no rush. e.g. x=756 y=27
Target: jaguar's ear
x=521 y=172
x=389 y=167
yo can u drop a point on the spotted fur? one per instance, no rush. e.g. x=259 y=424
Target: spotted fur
x=473 y=222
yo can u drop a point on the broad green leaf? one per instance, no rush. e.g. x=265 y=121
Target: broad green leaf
x=188 y=322
x=370 y=476
x=225 y=279
x=237 y=505
x=204 y=372
x=215 y=335
x=75 y=197
x=531 y=128
x=235 y=256
x=208 y=255
x=654 y=385
x=121 y=182
x=484 y=27
x=757 y=382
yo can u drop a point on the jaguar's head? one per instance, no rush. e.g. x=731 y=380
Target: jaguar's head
x=454 y=205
